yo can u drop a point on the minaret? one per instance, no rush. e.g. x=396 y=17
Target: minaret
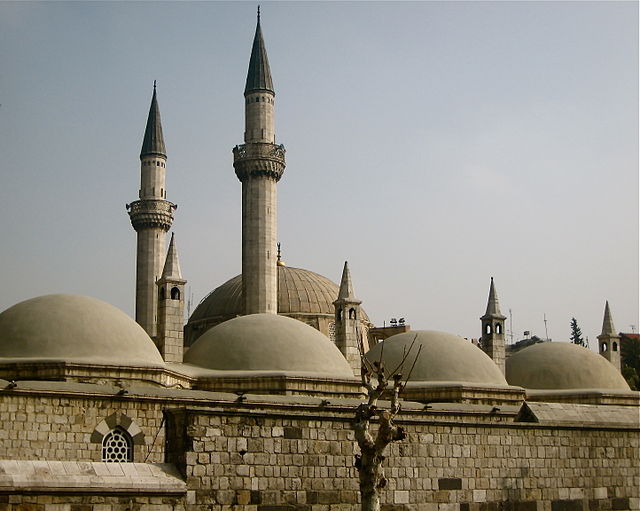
x=609 y=340
x=492 y=340
x=347 y=308
x=171 y=307
x=259 y=165
x=151 y=216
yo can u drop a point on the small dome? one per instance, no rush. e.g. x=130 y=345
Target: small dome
x=74 y=328
x=444 y=357
x=562 y=365
x=268 y=342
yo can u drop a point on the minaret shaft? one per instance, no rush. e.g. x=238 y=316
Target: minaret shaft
x=259 y=164
x=259 y=240
x=151 y=217
x=150 y=247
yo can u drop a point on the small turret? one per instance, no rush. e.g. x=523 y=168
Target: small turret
x=609 y=340
x=492 y=339
x=347 y=322
x=171 y=307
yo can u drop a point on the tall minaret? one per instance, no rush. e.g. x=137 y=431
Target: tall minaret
x=347 y=308
x=492 y=340
x=259 y=165
x=609 y=340
x=151 y=217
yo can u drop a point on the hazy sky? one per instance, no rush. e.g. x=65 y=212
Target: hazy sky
x=433 y=145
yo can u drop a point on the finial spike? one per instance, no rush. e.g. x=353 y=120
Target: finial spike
x=279 y=252
x=154 y=85
x=258 y=12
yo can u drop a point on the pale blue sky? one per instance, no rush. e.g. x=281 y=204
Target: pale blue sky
x=433 y=145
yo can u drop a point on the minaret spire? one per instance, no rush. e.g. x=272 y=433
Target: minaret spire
x=259 y=164
x=172 y=265
x=492 y=339
x=347 y=322
x=609 y=340
x=346 y=286
x=151 y=217
x=153 y=142
x=607 y=322
x=259 y=75
x=170 y=291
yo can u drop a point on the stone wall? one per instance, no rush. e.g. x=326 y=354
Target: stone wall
x=267 y=459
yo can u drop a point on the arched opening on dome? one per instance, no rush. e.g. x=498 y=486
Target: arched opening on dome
x=175 y=293
x=162 y=293
x=498 y=328
x=117 y=446
x=614 y=346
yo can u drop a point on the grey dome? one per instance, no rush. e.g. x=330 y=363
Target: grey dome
x=299 y=292
x=562 y=365
x=74 y=328
x=268 y=342
x=444 y=357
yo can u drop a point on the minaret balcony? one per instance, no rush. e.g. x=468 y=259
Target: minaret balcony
x=147 y=213
x=259 y=159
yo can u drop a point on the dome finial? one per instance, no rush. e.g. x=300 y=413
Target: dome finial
x=258 y=12
x=280 y=262
x=154 y=85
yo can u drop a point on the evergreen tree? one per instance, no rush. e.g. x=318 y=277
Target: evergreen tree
x=576 y=334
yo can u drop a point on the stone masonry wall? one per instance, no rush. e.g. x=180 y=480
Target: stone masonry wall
x=268 y=460
x=57 y=427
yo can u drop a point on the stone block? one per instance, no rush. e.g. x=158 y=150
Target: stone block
x=620 y=504
x=401 y=497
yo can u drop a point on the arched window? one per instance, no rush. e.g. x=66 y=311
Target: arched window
x=352 y=314
x=487 y=329
x=117 y=446
x=498 y=328
x=175 y=293
x=604 y=347
x=339 y=315
x=615 y=346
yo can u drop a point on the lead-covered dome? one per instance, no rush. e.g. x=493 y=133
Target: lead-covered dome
x=74 y=328
x=268 y=343
x=562 y=365
x=302 y=294
x=443 y=358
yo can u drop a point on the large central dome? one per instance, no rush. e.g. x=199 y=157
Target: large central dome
x=302 y=294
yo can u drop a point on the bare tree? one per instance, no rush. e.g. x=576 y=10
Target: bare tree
x=376 y=380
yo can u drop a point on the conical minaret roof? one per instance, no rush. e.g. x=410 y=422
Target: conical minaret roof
x=171 y=269
x=493 y=305
x=346 y=286
x=259 y=75
x=153 y=143
x=608 y=330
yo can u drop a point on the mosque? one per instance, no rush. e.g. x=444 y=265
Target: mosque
x=249 y=405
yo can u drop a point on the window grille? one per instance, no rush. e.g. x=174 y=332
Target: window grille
x=117 y=446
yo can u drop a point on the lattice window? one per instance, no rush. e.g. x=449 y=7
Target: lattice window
x=332 y=331
x=117 y=446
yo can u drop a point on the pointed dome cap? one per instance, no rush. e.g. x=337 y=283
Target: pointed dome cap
x=259 y=75
x=171 y=269
x=153 y=143
x=608 y=330
x=493 y=305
